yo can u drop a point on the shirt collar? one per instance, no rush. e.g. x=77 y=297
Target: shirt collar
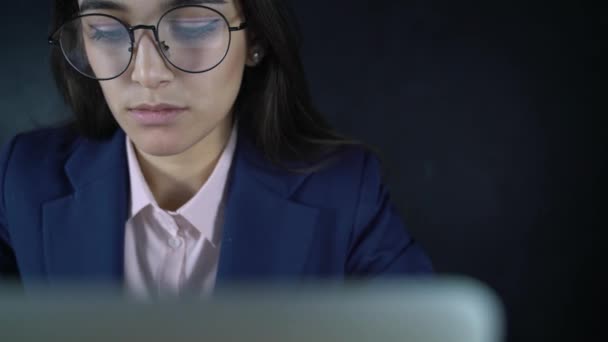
x=141 y=196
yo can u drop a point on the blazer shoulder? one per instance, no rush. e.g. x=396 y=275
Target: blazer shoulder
x=45 y=141
x=35 y=158
x=352 y=163
x=40 y=147
x=342 y=178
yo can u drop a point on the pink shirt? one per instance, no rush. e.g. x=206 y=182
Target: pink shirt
x=168 y=253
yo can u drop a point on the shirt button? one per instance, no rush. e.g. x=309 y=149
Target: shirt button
x=175 y=242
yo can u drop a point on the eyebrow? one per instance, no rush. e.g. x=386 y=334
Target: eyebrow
x=175 y=3
x=88 y=5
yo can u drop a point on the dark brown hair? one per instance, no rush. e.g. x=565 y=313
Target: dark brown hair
x=274 y=105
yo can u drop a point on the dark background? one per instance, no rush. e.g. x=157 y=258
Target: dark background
x=483 y=113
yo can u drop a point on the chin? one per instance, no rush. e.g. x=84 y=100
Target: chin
x=159 y=145
x=161 y=151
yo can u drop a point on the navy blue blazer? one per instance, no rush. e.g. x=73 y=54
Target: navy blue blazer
x=64 y=202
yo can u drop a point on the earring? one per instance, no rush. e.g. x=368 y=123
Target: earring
x=257 y=56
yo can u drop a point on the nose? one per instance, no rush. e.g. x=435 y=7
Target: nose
x=150 y=69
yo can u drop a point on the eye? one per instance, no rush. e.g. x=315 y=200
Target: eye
x=108 y=33
x=194 y=29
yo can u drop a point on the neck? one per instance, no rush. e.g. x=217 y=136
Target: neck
x=174 y=180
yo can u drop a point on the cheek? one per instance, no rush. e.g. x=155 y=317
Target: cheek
x=219 y=87
x=113 y=93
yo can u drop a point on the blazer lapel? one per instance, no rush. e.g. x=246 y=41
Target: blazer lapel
x=84 y=231
x=265 y=233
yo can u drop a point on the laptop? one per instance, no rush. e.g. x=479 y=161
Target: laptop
x=435 y=309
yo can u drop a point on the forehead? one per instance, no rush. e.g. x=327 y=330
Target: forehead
x=143 y=5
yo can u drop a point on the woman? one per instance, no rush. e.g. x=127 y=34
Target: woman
x=195 y=159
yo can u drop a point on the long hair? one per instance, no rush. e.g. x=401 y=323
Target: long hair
x=274 y=106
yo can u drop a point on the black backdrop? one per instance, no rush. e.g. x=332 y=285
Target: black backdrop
x=483 y=113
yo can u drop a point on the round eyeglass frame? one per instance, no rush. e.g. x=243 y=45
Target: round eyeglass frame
x=56 y=41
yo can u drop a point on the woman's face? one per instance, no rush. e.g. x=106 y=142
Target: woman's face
x=163 y=110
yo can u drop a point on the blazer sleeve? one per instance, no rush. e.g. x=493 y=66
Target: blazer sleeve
x=8 y=264
x=379 y=243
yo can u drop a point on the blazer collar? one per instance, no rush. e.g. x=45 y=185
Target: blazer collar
x=265 y=234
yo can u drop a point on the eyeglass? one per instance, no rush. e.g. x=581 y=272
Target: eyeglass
x=194 y=39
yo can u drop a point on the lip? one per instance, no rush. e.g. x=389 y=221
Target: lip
x=156 y=114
